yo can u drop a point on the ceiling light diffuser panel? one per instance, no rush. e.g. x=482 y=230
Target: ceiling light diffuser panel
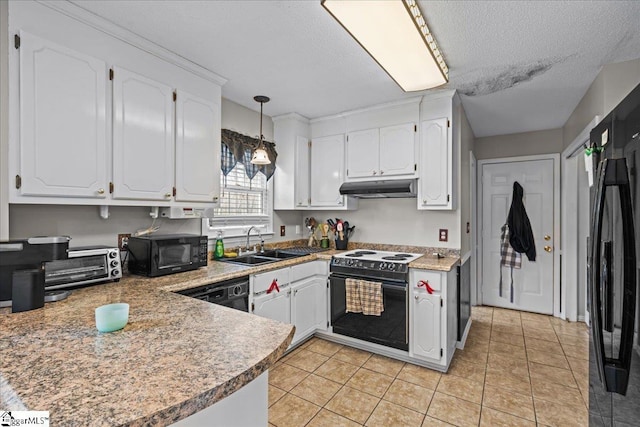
x=396 y=35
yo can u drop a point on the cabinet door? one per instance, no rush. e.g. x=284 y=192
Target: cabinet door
x=309 y=306
x=397 y=150
x=426 y=341
x=301 y=179
x=63 y=126
x=327 y=171
x=143 y=140
x=362 y=153
x=275 y=305
x=435 y=167
x=197 y=149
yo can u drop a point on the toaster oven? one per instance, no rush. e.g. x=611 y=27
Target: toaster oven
x=84 y=265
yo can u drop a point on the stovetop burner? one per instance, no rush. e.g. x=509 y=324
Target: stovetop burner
x=359 y=254
x=395 y=258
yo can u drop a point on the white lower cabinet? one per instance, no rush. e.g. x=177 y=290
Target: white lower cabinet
x=275 y=305
x=432 y=316
x=309 y=306
x=301 y=302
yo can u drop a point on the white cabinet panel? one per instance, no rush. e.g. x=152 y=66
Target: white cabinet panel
x=426 y=325
x=63 y=126
x=275 y=305
x=143 y=139
x=197 y=149
x=362 y=153
x=327 y=171
x=301 y=179
x=435 y=165
x=309 y=306
x=397 y=150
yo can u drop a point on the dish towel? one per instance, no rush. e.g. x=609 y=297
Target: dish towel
x=371 y=297
x=352 y=289
x=508 y=257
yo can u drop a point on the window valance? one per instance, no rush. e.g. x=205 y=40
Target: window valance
x=239 y=148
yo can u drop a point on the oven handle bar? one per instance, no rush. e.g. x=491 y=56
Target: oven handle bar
x=386 y=283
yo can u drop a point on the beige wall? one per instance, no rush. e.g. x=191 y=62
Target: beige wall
x=85 y=226
x=4 y=119
x=611 y=85
x=519 y=144
x=466 y=146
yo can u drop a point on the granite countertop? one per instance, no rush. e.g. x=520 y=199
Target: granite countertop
x=176 y=356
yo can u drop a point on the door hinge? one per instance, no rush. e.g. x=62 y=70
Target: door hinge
x=253 y=307
x=441 y=303
x=347 y=138
x=415 y=166
x=448 y=197
x=18 y=181
x=415 y=128
x=347 y=172
x=309 y=144
x=448 y=124
x=175 y=96
x=110 y=73
x=16 y=41
x=174 y=191
x=441 y=352
x=327 y=323
x=111 y=187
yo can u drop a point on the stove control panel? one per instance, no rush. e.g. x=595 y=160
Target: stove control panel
x=357 y=264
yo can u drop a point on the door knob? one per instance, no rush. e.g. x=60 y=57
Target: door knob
x=548 y=248
x=547 y=237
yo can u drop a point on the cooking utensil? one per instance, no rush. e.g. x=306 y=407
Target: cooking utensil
x=340 y=229
x=350 y=231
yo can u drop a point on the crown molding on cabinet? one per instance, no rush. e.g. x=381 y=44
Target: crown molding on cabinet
x=78 y=13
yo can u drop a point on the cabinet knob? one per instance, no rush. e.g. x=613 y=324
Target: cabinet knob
x=381 y=172
x=168 y=195
x=416 y=297
x=215 y=198
x=295 y=292
x=375 y=172
x=424 y=202
x=548 y=248
x=100 y=190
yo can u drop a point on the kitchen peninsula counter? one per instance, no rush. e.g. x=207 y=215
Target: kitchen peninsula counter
x=176 y=356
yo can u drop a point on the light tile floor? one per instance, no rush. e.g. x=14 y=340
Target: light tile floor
x=517 y=369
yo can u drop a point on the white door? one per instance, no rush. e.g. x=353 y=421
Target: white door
x=426 y=341
x=533 y=283
x=275 y=305
x=63 y=126
x=301 y=183
x=435 y=172
x=397 y=150
x=143 y=139
x=327 y=171
x=362 y=153
x=308 y=306
x=197 y=149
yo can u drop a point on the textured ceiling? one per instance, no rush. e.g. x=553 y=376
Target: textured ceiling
x=519 y=65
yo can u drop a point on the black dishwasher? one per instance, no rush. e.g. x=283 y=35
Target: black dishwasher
x=232 y=293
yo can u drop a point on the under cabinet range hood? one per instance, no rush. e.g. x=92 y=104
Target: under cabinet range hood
x=380 y=189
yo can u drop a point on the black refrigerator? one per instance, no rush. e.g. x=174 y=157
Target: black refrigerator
x=614 y=359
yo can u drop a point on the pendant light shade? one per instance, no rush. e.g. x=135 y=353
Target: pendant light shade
x=260 y=156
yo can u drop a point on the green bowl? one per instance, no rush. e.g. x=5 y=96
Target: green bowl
x=112 y=317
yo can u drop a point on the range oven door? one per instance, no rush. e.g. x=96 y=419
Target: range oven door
x=389 y=329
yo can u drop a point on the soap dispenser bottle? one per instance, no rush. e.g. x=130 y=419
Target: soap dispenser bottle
x=219 y=251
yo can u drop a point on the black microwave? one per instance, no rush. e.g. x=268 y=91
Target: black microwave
x=158 y=255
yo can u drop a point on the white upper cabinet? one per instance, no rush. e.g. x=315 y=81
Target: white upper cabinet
x=197 y=149
x=397 y=150
x=302 y=172
x=327 y=171
x=143 y=139
x=433 y=189
x=362 y=153
x=63 y=128
x=382 y=152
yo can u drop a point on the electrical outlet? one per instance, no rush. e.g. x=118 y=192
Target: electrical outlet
x=444 y=234
x=123 y=241
x=282 y=230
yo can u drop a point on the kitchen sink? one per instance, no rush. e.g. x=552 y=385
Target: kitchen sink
x=280 y=254
x=250 y=260
x=273 y=255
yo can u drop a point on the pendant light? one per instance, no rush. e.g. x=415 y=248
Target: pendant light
x=260 y=156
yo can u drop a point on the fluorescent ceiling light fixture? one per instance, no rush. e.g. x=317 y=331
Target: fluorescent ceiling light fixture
x=395 y=34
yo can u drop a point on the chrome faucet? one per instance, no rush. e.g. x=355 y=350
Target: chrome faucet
x=259 y=235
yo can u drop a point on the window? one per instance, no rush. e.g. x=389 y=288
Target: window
x=244 y=202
